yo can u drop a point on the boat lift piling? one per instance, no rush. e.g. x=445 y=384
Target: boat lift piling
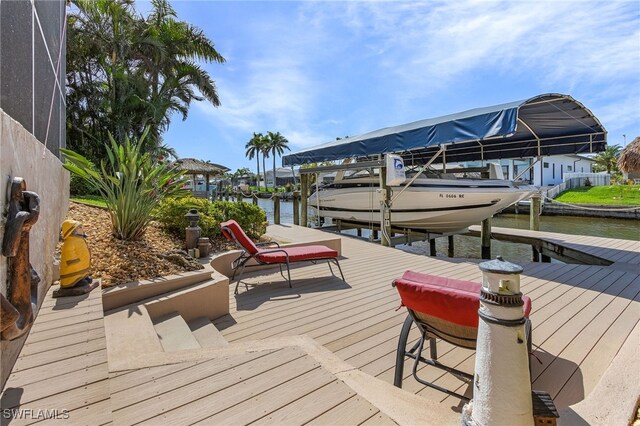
x=304 y=193
x=485 y=239
x=276 y=208
x=296 y=207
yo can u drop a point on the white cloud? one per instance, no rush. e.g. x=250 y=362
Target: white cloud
x=428 y=45
x=294 y=66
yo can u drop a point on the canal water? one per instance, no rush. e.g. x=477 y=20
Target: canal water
x=469 y=247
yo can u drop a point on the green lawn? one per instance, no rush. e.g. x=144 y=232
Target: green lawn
x=92 y=200
x=628 y=195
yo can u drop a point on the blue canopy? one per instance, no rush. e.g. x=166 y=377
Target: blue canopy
x=549 y=124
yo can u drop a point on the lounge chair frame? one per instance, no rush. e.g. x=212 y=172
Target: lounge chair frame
x=241 y=261
x=431 y=333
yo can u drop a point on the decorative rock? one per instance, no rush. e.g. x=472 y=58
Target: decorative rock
x=117 y=262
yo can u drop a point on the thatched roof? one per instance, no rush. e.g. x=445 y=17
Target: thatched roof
x=629 y=160
x=193 y=166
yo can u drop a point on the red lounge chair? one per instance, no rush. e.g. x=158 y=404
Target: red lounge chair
x=273 y=256
x=444 y=309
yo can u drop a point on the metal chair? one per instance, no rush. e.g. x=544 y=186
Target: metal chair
x=273 y=256
x=441 y=308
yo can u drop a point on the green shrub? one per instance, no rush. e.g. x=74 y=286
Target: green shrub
x=170 y=213
x=251 y=218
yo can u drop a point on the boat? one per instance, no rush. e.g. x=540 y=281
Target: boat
x=434 y=201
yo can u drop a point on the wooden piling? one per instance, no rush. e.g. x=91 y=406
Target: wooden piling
x=304 y=194
x=296 y=207
x=276 y=208
x=432 y=247
x=534 y=213
x=254 y=198
x=534 y=222
x=485 y=238
x=450 y=251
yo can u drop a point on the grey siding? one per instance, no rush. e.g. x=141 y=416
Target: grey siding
x=30 y=56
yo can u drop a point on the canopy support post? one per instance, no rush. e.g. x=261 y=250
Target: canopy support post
x=444 y=159
x=385 y=207
x=304 y=194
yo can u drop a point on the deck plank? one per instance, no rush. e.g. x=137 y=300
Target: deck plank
x=155 y=385
x=204 y=395
x=266 y=401
x=353 y=411
x=309 y=406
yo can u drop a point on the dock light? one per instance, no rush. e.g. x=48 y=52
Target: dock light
x=502 y=383
x=193 y=230
x=193 y=217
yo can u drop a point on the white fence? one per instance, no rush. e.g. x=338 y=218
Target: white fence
x=596 y=179
x=576 y=180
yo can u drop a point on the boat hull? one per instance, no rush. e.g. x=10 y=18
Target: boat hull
x=440 y=207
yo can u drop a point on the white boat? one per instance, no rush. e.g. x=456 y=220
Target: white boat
x=442 y=203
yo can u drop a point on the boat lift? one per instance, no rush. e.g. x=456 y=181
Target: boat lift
x=548 y=124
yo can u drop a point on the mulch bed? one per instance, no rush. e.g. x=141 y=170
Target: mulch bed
x=118 y=262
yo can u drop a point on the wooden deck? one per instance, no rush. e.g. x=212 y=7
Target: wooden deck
x=581 y=315
x=622 y=252
x=62 y=372
x=277 y=386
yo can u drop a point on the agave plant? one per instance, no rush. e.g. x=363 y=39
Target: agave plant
x=131 y=183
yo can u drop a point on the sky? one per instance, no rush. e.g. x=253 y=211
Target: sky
x=314 y=71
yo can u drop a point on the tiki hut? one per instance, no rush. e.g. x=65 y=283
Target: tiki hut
x=196 y=168
x=629 y=160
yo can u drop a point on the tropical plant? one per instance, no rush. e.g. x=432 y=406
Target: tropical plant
x=607 y=159
x=264 y=148
x=253 y=149
x=131 y=183
x=127 y=73
x=276 y=144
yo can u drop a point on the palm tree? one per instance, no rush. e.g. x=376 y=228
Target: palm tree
x=264 y=148
x=127 y=73
x=607 y=159
x=276 y=144
x=168 y=49
x=254 y=148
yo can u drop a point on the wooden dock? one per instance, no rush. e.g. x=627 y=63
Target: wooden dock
x=583 y=316
x=579 y=248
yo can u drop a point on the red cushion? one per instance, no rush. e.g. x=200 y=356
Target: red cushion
x=296 y=254
x=452 y=300
x=231 y=229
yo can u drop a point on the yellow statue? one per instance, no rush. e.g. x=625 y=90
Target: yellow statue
x=76 y=258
